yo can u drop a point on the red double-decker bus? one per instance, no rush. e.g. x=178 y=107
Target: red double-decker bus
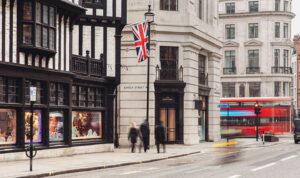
x=275 y=115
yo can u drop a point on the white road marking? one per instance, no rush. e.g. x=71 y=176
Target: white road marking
x=197 y=170
x=150 y=169
x=130 y=172
x=290 y=157
x=262 y=167
x=235 y=176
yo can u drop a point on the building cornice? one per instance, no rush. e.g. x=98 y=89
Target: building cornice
x=286 y=43
x=257 y=14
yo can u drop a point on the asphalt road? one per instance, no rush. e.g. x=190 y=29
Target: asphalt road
x=277 y=161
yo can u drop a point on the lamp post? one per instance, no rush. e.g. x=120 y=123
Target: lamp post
x=149 y=17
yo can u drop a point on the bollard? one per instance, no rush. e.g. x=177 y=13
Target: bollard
x=263 y=138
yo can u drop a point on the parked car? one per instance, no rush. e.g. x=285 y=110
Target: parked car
x=297 y=130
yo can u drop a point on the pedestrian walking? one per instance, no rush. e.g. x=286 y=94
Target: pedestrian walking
x=133 y=135
x=145 y=131
x=160 y=136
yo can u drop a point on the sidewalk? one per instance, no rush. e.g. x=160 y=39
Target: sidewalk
x=120 y=157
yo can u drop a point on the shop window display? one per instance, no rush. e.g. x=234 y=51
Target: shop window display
x=86 y=125
x=7 y=126
x=37 y=126
x=56 y=126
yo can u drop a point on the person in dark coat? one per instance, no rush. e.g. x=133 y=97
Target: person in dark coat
x=160 y=136
x=145 y=131
x=133 y=136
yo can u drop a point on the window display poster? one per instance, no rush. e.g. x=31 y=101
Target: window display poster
x=7 y=126
x=56 y=126
x=86 y=125
x=37 y=126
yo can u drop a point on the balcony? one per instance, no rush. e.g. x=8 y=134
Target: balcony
x=169 y=73
x=252 y=70
x=88 y=66
x=281 y=70
x=229 y=71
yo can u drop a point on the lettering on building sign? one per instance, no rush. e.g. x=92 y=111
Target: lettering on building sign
x=137 y=4
x=135 y=88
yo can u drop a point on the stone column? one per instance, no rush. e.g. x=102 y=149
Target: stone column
x=214 y=82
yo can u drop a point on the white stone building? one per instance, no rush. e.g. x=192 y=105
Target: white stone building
x=184 y=71
x=257 y=47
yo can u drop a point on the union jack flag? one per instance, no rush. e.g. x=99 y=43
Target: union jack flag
x=141 y=38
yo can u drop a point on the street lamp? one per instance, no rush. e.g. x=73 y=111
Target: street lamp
x=149 y=17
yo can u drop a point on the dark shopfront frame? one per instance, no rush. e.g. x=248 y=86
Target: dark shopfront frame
x=172 y=89
x=24 y=73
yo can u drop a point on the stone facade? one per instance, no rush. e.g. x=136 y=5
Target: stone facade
x=297 y=73
x=193 y=36
x=268 y=71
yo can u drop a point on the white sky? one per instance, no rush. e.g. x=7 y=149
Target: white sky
x=296 y=20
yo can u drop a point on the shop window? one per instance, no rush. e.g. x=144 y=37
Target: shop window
x=169 y=5
x=74 y=96
x=37 y=126
x=56 y=126
x=82 y=96
x=40 y=91
x=99 y=98
x=7 y=126
x=86 y=125
x=2 y=89
x=39 y=27
x=58 y=94
x=91 y=97
x=87 y=96
x=9 y=90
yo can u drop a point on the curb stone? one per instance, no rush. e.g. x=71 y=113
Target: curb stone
x=55 y=173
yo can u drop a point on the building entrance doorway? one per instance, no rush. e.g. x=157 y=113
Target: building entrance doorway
x=168 y=119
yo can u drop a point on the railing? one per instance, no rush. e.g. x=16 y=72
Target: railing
x=231 y=70
x=169 y=73
x=87 y=66
x=281 y=70
x=252 y=70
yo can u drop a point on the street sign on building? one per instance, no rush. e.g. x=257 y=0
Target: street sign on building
x=33 y=94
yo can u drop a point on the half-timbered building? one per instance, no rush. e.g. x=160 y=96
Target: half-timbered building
x=70 y=51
